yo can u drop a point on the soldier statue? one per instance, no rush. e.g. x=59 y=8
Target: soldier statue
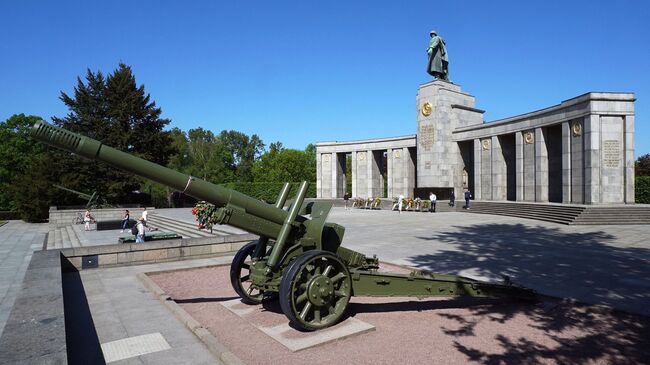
x=438 y=66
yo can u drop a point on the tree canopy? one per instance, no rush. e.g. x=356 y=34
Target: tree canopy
x=119 y=113
x=642 y=165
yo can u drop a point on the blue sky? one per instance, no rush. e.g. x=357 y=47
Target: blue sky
x=305 y=71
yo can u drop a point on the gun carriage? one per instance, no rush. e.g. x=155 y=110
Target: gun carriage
x=298 y=258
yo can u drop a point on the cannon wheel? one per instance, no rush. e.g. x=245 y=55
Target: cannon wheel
x=240 y=276
x=315 y=290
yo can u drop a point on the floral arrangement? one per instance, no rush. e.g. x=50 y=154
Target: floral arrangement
x=376 y=203
x=205 y=214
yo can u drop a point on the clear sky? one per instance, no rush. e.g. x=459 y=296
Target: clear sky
x=305 y=71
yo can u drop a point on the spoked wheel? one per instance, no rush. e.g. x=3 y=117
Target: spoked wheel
x=240 y=270
x=315 y=290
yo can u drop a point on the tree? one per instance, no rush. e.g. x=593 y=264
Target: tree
x=18 y=151
x=642 y=166
x=244 y=151
x=117 y=112
x=285 y=165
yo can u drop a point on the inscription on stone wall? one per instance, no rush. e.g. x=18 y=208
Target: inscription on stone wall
x=426 y=137
x=611 y=153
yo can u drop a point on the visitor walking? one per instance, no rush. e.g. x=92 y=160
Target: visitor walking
x=346 y=198
x=139 y=238
x=400 y=201
x=125 y=220
x=144 y=216
x=452 y=199
x=434 y=199
x=87 y=219
x=468 y=195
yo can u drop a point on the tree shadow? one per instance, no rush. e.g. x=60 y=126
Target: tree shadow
x=576 y=265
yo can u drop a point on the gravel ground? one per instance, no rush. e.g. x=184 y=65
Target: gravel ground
x=431 y=331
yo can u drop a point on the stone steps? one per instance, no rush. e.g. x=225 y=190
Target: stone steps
x=543 y=212
x=566 y=214
x=73 y=239
x=187 y=230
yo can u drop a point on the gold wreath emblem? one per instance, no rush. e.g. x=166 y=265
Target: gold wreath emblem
x=427 y=108
x=528 y=137
x=577 y=129
x=486 y=144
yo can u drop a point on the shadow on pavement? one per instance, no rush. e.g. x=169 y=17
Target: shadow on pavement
x=577 y=265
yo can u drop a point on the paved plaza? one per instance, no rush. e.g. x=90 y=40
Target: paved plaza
x=592 y=264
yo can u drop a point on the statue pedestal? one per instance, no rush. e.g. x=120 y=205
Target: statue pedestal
x=442 y=107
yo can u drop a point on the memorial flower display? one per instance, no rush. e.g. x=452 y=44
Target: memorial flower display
x=205 y=214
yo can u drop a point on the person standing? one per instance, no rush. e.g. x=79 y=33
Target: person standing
x=139 y=238
x=87 y=219
x=346 y=198
x=125 y=220
x=144 y=216
x=434 y=199
x=400 y=201
x=452 y=199
x=468 y=195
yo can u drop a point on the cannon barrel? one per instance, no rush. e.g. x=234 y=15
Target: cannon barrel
x=270 y=220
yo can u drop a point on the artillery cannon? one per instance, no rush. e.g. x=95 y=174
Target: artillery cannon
x=298 y=257
x=94 y=200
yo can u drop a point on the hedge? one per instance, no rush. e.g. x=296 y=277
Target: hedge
x=268 y=191
x=642 y=189
x=6 y=215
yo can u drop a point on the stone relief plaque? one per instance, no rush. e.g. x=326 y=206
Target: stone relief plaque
x=396 y=154
x=361 y=156
x=426 y=109
x=427 y=165
x=577 y=129
x=611 y=153
x=486 y=144
x=425 y=137
x=529 y=138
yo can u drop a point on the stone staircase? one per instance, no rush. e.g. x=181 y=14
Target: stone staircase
x=63 y=237
x=563 y=213
x=186 y=229
x=628 y=214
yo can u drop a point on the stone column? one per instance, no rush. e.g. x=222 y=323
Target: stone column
x=592 y=159
x=499 y=171
x=629 y=159
x=374 y=176
x=566 y=162
x=355 y=175
x=335 y=175
x=326 y=178
x=486 y=169
x=477 y=193
x=390 y=171
x=319 y=176
x=577 y=162
x=409 y=172
x=541 y=166
x=519 y=165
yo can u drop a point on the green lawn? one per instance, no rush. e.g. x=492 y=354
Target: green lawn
x=2 y=223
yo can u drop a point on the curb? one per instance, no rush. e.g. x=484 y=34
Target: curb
x=211 y=342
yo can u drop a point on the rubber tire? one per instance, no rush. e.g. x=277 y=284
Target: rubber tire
x=286 y=284
x=235 y=269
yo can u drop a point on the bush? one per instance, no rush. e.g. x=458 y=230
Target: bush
x=268 y=191
x=642 y=189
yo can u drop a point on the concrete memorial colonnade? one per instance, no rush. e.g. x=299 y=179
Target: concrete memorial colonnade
x=580 y=151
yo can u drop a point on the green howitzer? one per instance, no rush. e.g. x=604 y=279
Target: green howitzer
x=92 y=199
x=298 y=258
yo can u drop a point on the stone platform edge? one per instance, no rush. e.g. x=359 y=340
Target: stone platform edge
x=154 y=252
x=207 y=338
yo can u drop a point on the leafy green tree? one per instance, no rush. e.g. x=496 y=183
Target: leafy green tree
x=285 y=165
x=244 y=151
x=18 y=152
x=210 y=158
x=31 y=188
x=642 y=165
x=117 y=112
